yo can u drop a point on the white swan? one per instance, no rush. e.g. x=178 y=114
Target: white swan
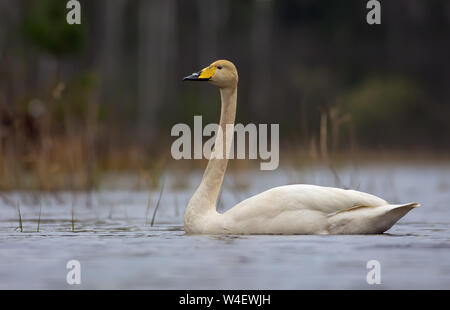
x=291 y=209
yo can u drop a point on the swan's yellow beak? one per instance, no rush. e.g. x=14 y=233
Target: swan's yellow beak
x=203 y=75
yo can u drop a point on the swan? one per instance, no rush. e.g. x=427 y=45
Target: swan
x=290 y=209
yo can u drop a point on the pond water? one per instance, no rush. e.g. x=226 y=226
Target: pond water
x=110 y=234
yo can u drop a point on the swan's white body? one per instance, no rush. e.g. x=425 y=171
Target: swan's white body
x=301 y=209
x=291 y=209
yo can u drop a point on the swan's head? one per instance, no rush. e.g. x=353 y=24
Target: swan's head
x=221 y=73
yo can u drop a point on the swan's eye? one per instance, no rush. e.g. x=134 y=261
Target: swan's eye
x=219 y=67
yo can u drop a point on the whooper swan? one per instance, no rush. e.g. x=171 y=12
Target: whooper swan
x=290 y=209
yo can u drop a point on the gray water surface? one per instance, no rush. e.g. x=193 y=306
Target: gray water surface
x=111 y=235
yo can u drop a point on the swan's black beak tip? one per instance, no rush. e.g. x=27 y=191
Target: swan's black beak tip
x=192 y=77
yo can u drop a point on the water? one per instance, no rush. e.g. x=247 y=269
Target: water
x=118 y=248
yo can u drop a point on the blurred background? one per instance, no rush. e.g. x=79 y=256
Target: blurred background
x=80 y=101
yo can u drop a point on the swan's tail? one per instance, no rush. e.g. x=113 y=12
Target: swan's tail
x=368 y=220
x=396 y=212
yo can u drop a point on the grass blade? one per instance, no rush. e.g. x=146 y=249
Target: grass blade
x=148 y=208
x=20 y=218
x=39 y=219
x=157 y=204
x=73 y=218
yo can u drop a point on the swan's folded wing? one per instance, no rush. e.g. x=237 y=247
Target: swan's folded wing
x=367 y=220
x=326 y=200
x=309 y=209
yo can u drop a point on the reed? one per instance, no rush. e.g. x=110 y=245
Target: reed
x=157 y=204
x=147 y=212
x=20 y=217
x=175 y=202
x=39 y=218
x=73 y=218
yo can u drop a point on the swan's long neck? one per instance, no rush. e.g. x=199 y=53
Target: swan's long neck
x=204 y=199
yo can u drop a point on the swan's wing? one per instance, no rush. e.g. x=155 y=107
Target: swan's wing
x=309 y=209
x=325 y=200
x=367 y=220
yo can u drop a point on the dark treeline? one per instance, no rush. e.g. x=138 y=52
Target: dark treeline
x=304 y=64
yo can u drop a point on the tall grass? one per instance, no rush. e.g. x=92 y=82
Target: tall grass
x=147 y=212
x=39 y=218
x=20 y=217
x=73 y=217
x=158 y=203
x=175 y=202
